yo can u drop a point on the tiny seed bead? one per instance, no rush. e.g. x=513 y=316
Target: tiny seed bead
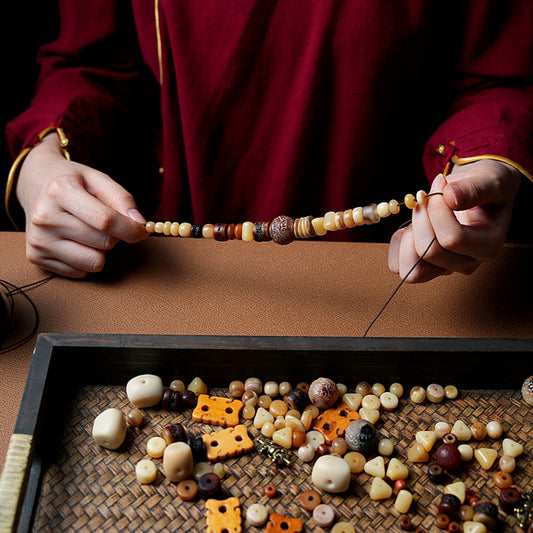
x=185 y=229
x=150 y=227
x=383 y=209
x=329 y=221
x=174 y=229
x=166 y=227
x=357 y=214
x=394 y=207
x=318 y=226
x=208 y=231
x=409 y=201
x=247 y=231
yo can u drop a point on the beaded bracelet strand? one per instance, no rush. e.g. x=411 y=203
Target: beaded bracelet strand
x=283 y=229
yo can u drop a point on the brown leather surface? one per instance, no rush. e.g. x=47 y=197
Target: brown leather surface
x=175 y=286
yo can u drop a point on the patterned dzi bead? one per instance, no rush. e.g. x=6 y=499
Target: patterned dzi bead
x=282 y=230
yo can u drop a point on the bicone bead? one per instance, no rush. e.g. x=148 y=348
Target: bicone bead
x=247 y=231
x=370 y=214
x=281 y=230
x=409 y=201
x=383 y=209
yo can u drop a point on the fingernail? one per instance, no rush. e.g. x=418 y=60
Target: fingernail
x=438 y=183
x=135 y=215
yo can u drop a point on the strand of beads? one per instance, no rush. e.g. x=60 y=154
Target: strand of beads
x=283 y=229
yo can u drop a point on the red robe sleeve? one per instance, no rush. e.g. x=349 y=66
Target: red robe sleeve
x=492 y=112
x=86 y=82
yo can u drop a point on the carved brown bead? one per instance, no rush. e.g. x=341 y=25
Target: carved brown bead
x=282 y=230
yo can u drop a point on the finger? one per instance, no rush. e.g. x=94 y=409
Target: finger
x=394 y=251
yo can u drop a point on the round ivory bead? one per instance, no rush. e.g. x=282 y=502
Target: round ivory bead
x=145 y=471
x=178 y=461
x=109 y=429
x=306 y=452
x=331 y=474
x=145 y=390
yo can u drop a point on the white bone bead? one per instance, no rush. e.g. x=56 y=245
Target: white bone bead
x=145 y=471
x=145 y=390
x=331 y=474
x=178 y=461
x=109 y=429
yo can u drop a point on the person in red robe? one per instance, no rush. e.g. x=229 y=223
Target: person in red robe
x=212 y=111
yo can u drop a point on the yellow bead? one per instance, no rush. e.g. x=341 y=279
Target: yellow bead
x=208 y=231
x=356 y=461
x=155 y=447
x=175 y=229
x=185 y=229
x=197 y=386
x=150 y=227
x=247 y=231
x=318 y=226
x=166 y=227
x=145 y=471
x=383 y=209
x=158 y=228
x=394 y=207
x=485 y=457
x=409 y=201
x=403 y=501
x=357 y=214
x=421 y=197
x=348 y=219
x=380 y=489
x=329 y=221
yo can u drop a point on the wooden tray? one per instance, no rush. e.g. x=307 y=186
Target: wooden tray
x=57 y=479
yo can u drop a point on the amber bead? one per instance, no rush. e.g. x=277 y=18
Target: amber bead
x=405 y=523
x=264 y=401
x=466 y=513
x=322 y=449
x=400 y=484
x=270 y=490
x=298 y=439
x=363 y=388
x=238 y=231
x=454 y=527
x=254 y=384
x=303 y=385
x=209 y=485
x=449 y=505
x=220 y=232
x=278 y=408
x=339 y=445
x=469 y=494
x=310 y=499
x=479 y=431
x=236 y=389
x=187 y=490
x=250 y=398
x=510 y=498
x=282 y=230
x=134 y=417
x=503 y=479
x=442 y=521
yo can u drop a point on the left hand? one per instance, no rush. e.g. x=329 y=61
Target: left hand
x=469 y=220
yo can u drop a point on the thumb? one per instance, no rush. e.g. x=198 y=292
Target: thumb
x=472 y=191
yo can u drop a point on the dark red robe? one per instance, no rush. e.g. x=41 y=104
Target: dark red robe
x=254 y=109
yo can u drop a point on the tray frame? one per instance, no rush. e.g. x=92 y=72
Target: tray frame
x=62 y=361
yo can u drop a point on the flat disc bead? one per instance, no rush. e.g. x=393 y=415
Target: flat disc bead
x=145 y=471
x=282 y=230
x=257 y=514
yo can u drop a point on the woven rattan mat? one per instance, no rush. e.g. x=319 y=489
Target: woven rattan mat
x=91 y=489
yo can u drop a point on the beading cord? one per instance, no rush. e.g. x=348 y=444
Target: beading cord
x=11 y=291
x=283 y=229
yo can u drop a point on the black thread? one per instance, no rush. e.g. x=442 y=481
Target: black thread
x=14 y=290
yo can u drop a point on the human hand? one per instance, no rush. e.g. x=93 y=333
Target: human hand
x=74 y=214
x=469 y=222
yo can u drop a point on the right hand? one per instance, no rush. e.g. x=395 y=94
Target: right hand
x=74 y=214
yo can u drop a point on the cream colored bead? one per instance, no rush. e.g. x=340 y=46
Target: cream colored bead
x=342 y=527
x=145 y=471
x=268 y=429
x=284 y=388
x=145 y=390
x=261 y=417
x=175 y=229
x=494 y=429
x=409 y=201
x=357 y=215
x=271 y=388
x=185 y=229
x=511 y=448
x=451 y=392
x=371 y=401
x=306 y=452
x=201 y=468
x=150 y=226
x=375 y=467
x=356 y=461
x=331 y=474
x=485 y=457
x=441 y=428
x=388 y=401
x=417 y=394
x=383 y=209
x=352 y=400
x=427 y=439
x=247 y=231
x=396 y=470
x=313 y=409
x=307 y=420
x=348 y=219
x=197 y=386
x=466 y=451
x=417 y=453
x=474 y=527
x=283 y=437
x=109 y=428
x=318 y=226
x=385 y=447
x=394 y=207
x=370 y=415
x=208 y=231
x=256 y=514
x=158 y=227
x=457 y=489
x=342 y=388
x=177 y=461
x=461 y=431
x=421 y=197
x=155 y=447
x=378 y=389
x=397 y=389
x=294 y=423
x=329 y=221
x=380 y=489
x=219 y=470
x=315 y=438
x=166 y=227
x=403 y=501
x=279 y=422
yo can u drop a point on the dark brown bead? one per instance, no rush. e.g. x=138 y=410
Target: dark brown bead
x=449 y=505
x=175 y=401
x=197 y=446
x=296 y=399
x=188 y=398
x=165 y=399
x=510 y=498
x=454 y=527
x=270 y=490
x=261 y=231
x=230 y=232
x=174 y=433
x=435 y=473
x=187 y=490
x=448 y=456
x=220 y=232
x=322 y=449
x=405 y=523
x=442 y=521
x=196 y=231
x=486 y=513
x=282 y=230
x=208 y=485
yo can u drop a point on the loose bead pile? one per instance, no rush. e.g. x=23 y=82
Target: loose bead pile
x=283 y=229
